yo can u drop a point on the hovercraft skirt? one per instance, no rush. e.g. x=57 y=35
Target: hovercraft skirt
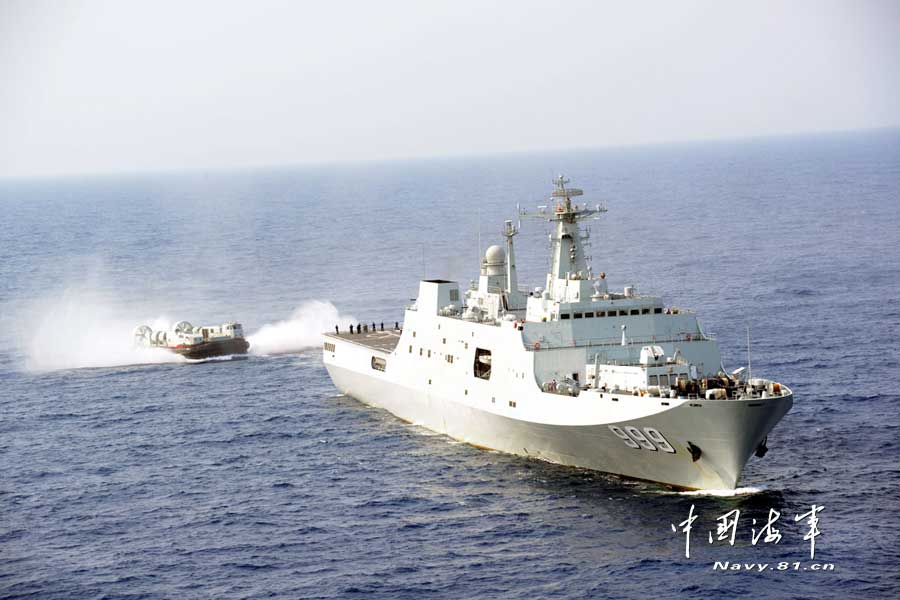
x=213 y=349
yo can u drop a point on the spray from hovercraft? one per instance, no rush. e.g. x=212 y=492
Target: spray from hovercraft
x=83 y=329
x=303 y=330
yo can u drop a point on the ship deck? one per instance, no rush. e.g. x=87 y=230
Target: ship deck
x=385 y=341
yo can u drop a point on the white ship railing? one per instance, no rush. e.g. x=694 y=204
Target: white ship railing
x=549 y=345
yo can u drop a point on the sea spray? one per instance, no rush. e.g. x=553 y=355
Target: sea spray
x=80 y=329
x=725 y=493
x=302 y=330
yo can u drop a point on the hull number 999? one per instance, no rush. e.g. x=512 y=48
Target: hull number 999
x=649 y=439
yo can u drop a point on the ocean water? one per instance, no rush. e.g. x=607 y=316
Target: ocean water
x=134 y=475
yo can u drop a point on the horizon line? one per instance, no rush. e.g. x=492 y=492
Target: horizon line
x=428 y=158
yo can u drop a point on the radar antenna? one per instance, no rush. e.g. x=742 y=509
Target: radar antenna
x=562 y=192
x=564 y=209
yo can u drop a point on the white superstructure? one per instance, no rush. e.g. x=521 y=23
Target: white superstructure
x=572 y=372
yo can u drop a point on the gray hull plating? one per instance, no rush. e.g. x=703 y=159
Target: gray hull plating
x=726 y=431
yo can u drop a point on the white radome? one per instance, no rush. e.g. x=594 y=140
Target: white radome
x=495 y=256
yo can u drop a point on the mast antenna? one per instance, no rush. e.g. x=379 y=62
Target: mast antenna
x=749 y=364
x=478 y=225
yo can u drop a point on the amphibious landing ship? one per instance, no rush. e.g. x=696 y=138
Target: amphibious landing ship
x=572 y=372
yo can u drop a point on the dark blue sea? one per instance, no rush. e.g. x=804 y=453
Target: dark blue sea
x=125 y=476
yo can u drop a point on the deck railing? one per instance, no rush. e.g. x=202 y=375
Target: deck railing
x=538 y=345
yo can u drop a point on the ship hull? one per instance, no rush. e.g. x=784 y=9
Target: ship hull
x=213 y=349
x=725 y=431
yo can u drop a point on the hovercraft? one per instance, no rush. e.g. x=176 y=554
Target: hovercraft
x=195 y=343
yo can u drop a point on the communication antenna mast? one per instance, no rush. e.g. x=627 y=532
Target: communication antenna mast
x=478 y=225
x=749 y=365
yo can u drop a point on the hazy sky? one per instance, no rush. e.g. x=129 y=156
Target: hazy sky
x=97 y=87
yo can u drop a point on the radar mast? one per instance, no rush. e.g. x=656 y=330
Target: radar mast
x=568 y=262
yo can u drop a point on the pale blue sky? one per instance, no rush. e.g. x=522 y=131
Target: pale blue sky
x=100 y=87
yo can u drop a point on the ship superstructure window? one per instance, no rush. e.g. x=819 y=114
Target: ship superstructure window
x=657 y=310
x=329 y=347
x=645 y=311
x=379 y=364
x=588 y=315
x=410 y=348
x=653 y=380
x=623 y=313
x=482 y=366
x=635 y=311
x=664 y=380
x=454 y=295
x=601 y=313
x=429 y=354
x=564 y=315
x=579 y=315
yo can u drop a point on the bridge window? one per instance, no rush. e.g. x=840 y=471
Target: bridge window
x=564 y=315
x=578 y=315
x=657 y=310
x=635 y=311
x=645 y=311
x=588 y=315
